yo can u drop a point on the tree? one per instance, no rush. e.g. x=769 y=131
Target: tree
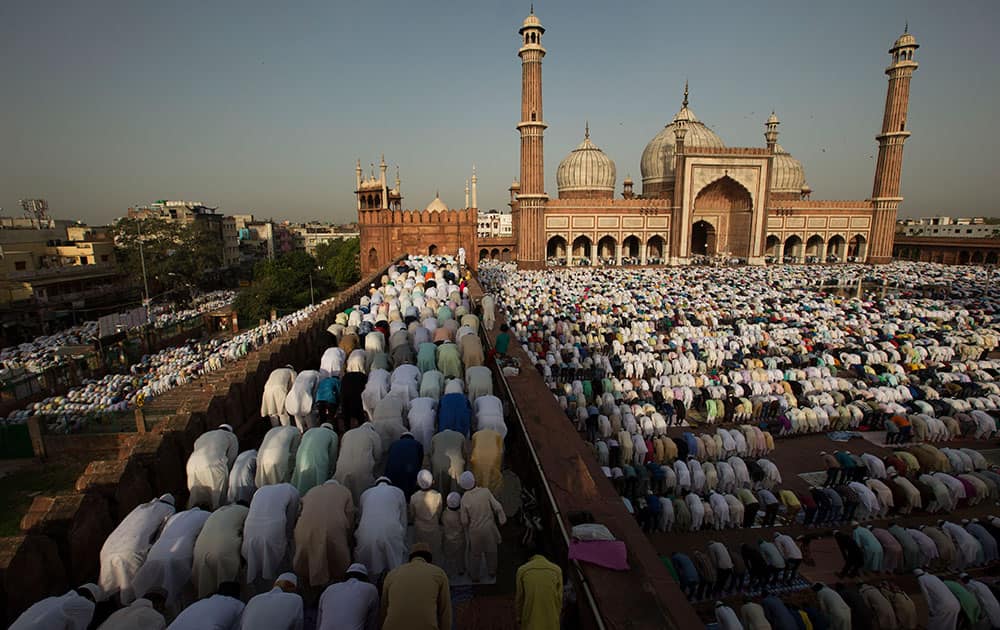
x=176 y=256
x=339 y=260
x=283 y=284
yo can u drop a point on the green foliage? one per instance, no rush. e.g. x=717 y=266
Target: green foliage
x=176 y=256
x=339 y=260
x=282 y=284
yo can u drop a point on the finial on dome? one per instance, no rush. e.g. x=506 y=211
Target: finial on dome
x=906 y=27
x=586 y=130
x=532 y=12
x=685 y=102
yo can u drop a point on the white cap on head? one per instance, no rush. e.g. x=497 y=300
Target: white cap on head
x=425 y=479
x=357 y=567
x=918 y=572
x=467 y=480
x=167 y=498
x=383 y=478
x=454 y=500
x=226 y=427
x=288 y=577
x=327 y=425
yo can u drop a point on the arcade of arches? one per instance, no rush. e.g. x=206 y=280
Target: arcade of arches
x=605 y=250
x=815 y=248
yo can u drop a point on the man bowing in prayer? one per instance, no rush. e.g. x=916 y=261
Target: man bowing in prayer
x=276 y=455
x=942 y=606
x=381 y=533
x=268 y=529
x=416 y=595
x=208 y=467
x=480 y=511
x=125 y=549
x=316 y=458
x=168 y=564
x=323 y=533
x=278 y=609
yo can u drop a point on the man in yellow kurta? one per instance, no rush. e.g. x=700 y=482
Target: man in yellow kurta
x=416 y=595
x=486 y=460
x=538 y=603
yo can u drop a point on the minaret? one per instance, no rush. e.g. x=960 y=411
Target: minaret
x=357 y=182
x=385 y=186
x=531 y=198
x=467 y=194
x=475 y=202
x=399 y=189
x=885 y=192
x=771 y=135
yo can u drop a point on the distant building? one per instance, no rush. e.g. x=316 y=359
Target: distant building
x=309 y=236
x=947 y=227
x=53 y=275
x=494 y=224
x=197 y=214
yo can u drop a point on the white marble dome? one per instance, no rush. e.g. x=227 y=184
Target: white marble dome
x=787 y=175
x=657 y=164
x=437 y=205
x=586 y=169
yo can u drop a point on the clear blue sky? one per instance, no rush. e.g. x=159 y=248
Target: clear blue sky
x=263 y=107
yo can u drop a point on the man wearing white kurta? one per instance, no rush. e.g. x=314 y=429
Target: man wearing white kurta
x=276 y=456
x=349 y=605
x=268 y=529
x=276 y=389
x=219 y=612
x=70 y=611
x=242 y=482
x=278 y=609
x=381 y=533
x=208 y=467
x=168 y=564
x=126 y=547
x=942 y=605
x=301 y=398
x=360 y=452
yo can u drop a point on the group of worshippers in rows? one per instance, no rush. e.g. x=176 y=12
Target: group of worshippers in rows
x=45 y=351
x=414 y=595
x=964 y=602
x=154 y=375
x=896 y=548
x=922 y=477
x=729 y=345
x=719 y=571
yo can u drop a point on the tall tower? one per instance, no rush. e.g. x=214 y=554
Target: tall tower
x=885 y=192
x=531 y=197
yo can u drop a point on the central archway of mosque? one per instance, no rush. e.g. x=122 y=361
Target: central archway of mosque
x=702 y=239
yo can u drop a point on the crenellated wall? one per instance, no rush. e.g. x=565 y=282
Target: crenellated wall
x=387 y=234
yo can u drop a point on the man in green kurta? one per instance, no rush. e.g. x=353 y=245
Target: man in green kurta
x=968 y=602
x=316 y=458
x=538 y=602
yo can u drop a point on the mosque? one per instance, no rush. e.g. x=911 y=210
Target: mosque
x=699 y=197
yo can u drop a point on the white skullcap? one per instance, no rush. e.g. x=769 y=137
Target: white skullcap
x=454 y=500
x=327 y=425
x=918 y=572
x=383 y=478
x=357 y=567
x=168 y=498
x=226 y=427
x=288 y=577
x=467 y=480
x=425 y=479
